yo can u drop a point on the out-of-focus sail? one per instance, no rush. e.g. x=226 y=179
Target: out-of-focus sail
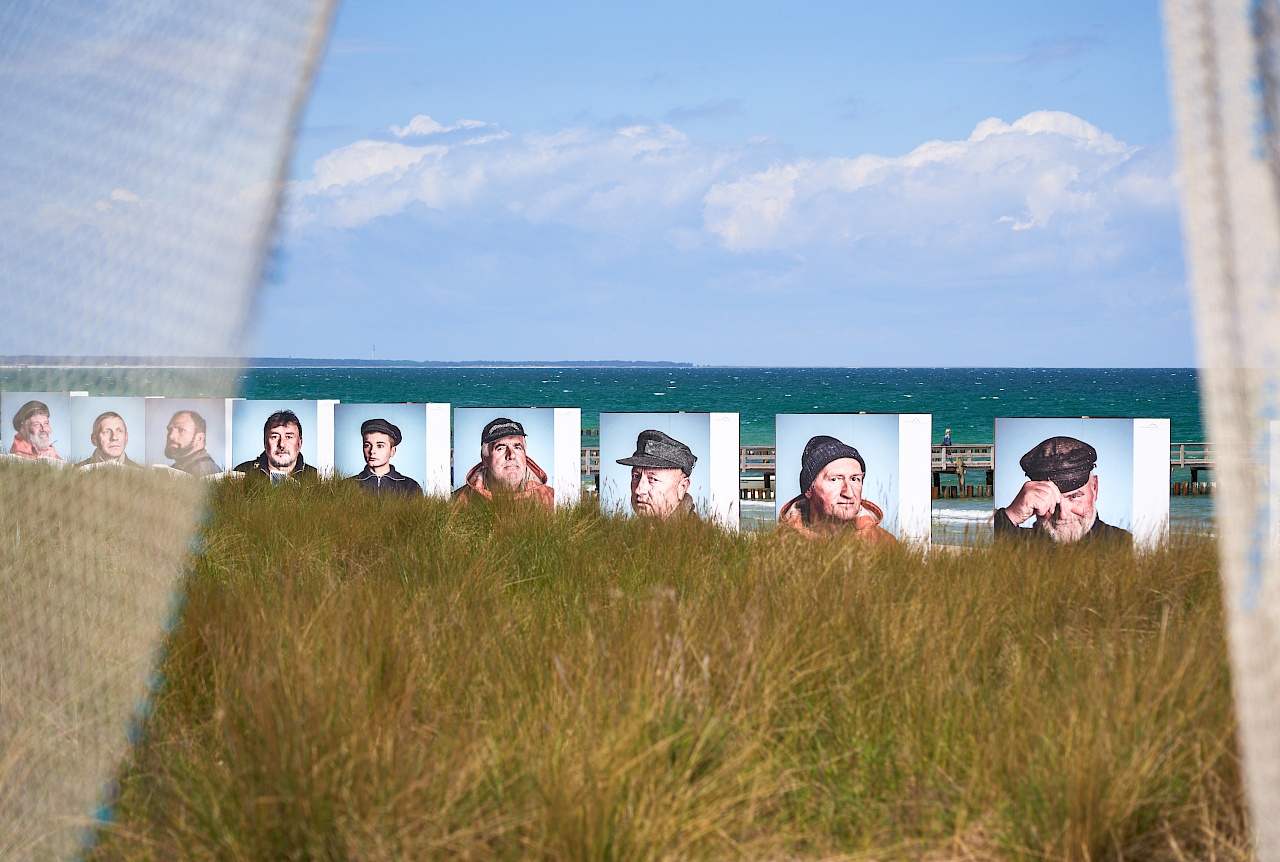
x=1223 y=67
x=142 y=155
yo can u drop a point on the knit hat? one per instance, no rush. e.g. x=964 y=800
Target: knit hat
x=821 y=451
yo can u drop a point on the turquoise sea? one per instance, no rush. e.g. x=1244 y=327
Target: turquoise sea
x=966 y=400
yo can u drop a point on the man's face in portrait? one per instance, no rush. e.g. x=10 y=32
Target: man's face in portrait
x=657 y=491
x=378 y=450
x=111 y=437
x=183 y=438
x=505 y=461
x=1076 y=514
x=37 y=431
x=837 y=491
x=282 y=444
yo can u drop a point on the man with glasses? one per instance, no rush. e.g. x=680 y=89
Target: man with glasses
x=830 y=501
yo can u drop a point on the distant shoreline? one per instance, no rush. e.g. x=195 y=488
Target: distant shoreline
x=230 y=363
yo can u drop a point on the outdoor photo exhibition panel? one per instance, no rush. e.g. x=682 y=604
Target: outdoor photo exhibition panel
x=711 y=438
x=173 y=435
x=896 y=448
x=422 y=453
x=316 y=418
x=128 y=422
x=30 y=432
x=1111 y=476
x=553 y=442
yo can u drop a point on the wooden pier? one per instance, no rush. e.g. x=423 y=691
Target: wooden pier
x=972 y=466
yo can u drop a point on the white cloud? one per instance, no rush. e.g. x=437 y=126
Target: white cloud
x=1061 y=184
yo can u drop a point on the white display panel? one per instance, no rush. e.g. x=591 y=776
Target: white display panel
x=214 y=413
x=896 y=448
x=548 y=431
x=131 y=412
x=247 y=433
x=1129 y=486
x=713 y=439
x=57 y=444
x=415 y=450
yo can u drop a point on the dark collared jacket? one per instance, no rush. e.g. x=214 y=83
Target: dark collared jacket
x=96 y=458
x=1100 y=532
x=199 y=463
x=394 y=483
x=260 y=468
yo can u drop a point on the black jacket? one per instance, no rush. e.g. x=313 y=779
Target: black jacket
x=1100 y=532
x=394 y=483
x=259 y=468
x=199 y=463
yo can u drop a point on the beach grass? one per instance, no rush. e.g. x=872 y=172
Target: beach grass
x=356 y=678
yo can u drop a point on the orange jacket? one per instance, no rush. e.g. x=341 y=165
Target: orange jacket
x=26 y=450
x=795 y=516
x=534 y=487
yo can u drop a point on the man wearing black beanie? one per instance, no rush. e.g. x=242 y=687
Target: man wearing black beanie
x=830 y=500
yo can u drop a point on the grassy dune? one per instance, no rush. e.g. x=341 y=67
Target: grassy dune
x=367 y=679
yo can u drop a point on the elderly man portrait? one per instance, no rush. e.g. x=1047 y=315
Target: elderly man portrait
x=1061 y=493
x=661 y=468
x=379 y=476
x=109 y=437
x=505 y=468
x=832 y=479
x=281 y=459
x=184 y=444
x=33 y=437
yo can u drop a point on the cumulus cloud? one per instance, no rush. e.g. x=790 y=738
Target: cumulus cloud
x=1050 y=175
x=1048 y=171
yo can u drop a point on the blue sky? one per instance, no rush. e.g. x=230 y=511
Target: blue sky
x=833 y=184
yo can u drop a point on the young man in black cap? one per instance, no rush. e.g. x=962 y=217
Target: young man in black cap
x=505 y=468
x=34 y=437
x=1061 y=493
x=830 y=501
x=281 y=459
x=379 y=476
x=660 y=471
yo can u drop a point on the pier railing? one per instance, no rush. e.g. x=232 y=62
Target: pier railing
x=763 y=460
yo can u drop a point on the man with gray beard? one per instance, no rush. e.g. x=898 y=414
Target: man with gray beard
x=1061 y=494
x=34 y=437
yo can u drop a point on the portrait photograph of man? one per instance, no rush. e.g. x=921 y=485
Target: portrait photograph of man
x=187 y=434
x=382 y=447
x=1064 y=480
x=655 y=464
x=269 y=439
x=504 y=451
x=39 y=424
x=840 y=474
x=108 y=431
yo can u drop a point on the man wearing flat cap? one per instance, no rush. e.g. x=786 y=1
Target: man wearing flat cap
x=34 y=434
x=832 y=476
x=109 y=437
x=1061 y=493
x=505 y=468
x=379 y=476
x=660 y=471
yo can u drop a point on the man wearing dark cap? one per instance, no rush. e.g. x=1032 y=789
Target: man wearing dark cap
x=832 y=475
x=379 y=476
x=660 y=471
x=34 y=434
x=109 y=437
x=1061 y=493
x=281 y=459
x=505 y=468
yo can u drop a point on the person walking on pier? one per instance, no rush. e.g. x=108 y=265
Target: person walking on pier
x=1061 y=493
x=946 y=438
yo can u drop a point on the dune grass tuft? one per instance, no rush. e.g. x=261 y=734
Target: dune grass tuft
x=385 y=679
